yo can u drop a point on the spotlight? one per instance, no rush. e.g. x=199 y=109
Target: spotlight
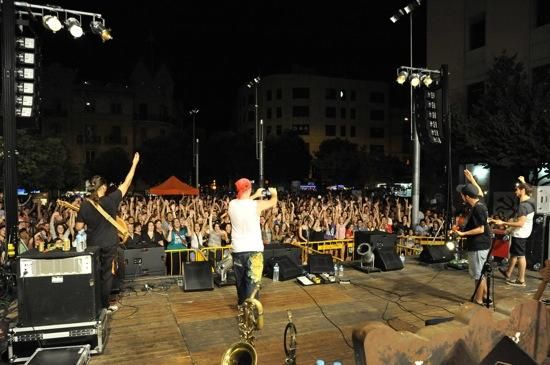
x=395 y=17
x=24 y=43
x=451 y=245
x=99 y=29
x=74 y=27
x=415 y=80
x=52 y=23
x=23 y=112
x=402 y=77
x=426 y=80
x=25 y=57
x=25 y=88
x=24 y=100
x=25 y=73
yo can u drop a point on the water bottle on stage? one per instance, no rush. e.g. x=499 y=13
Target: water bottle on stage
x=276 y=272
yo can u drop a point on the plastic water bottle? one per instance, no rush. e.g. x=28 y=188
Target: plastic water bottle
x=402 y=257
x=320 y=362
x=336 y=270
x=337 y=363
x=341 y=271
x=276 y=272
x=80 y=241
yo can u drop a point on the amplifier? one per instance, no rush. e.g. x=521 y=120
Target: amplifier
x=24 y=341
x=144 y=261
x=541 y=197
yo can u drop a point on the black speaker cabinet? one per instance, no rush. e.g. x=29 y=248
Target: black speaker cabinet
x=144 y=261
x=538 y=242
x=280 y=250
x=435 y=254
x=197 y=275
x=287 y=268
x=377 y=239
x=58 y=287
x=318 y=264
x=387 y=260
x=507 y=352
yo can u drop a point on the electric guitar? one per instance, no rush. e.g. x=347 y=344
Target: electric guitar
x=120 y=225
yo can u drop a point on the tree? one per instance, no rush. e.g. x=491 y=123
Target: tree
x=111 y=164
x=164 y=156
x=287 y=157
x=509 y=125
x=338 y=161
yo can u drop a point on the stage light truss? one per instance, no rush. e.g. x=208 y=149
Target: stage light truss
x=24 y=72
x=417 y=76
x=55 y=18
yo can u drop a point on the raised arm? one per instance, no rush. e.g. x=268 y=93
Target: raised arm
x=128 y=180
x=471 y=179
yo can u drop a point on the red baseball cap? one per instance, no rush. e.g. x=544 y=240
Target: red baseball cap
x=242 y=185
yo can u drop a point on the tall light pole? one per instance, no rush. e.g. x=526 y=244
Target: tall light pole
x=193 y=113
x=259 y=130
x=414 y=134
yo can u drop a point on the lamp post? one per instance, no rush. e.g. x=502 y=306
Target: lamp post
x=259 y=130
x=193 y=113
x=414 y=134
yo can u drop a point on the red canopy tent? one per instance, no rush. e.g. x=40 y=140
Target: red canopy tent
x=174 y=186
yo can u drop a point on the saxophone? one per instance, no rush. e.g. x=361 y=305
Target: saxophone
x=251 y=318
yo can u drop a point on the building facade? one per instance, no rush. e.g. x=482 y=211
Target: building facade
x=320 y=108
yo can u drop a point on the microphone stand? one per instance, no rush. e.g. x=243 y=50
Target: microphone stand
x=486 y=271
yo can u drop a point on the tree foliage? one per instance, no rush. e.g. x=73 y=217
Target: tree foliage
x=287 y=157
x=509 y=125
x=111 y=164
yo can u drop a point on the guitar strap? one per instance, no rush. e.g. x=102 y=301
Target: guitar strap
x=107 y=216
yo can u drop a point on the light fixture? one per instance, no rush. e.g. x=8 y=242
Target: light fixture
x=74 y=27
x=25 y=73
x=24 y=100
x=410 y=7
x=402 y=77
x=23 y=112
x=426 y=80
x=450 y=244
x=25 y=57
x=99 y=29
x=25 y=43
x=395 y=17
x=414 y=80
x=52 y=23
x=25 y=88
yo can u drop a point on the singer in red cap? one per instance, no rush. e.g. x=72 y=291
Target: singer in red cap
x=248 y=248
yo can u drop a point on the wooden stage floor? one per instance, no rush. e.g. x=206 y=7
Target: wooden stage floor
x=168 y=326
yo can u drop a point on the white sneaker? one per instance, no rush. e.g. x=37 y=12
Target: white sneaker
x=112 y=308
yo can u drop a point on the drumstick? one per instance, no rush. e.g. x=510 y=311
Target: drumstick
x=545 y=273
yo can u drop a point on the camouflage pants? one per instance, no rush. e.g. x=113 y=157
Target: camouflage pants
x=248 y=268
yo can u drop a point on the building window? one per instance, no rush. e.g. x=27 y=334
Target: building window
x=279 y=112
x=268 y=113
x=330 y=94
x=352 y=131
x=352 y=95
x=268 y=95
x=330 y=130
x=116 y=108
x=352 y=113
x=377 y=132
x=473 y=94
x=542 y=9
x=377 y=97
x=376 y=149
x=343 y=113
x=330 y=112
x=477 y=31
x=268 y=130
x=279 y=129
x=300 y=111
x=376 y=114
x=342 y=131
x=300 y=93
x=251 y=116
x=279 y=94
x=90 y=157
x=301 y=129
x=342 y=94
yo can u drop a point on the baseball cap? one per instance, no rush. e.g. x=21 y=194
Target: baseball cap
x=468 y=189
x=242 y=185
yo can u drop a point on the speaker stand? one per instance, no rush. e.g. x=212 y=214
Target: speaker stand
x=229 y=280
x=358 y=265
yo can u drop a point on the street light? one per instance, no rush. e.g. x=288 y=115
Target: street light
x=259 y=130
x=409 y=9
x=193 y=113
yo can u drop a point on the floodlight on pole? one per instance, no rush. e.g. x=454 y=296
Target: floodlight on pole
x=255 y=83
x=193 y=112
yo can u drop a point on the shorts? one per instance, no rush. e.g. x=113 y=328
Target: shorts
x=476 y=259
x=518 y=246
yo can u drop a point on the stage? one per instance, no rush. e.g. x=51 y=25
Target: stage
x=168 y=326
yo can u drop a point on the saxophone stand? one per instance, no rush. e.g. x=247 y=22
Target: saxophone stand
x=290 y=341
x=486 y=271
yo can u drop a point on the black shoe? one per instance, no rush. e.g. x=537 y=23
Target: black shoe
x=503 y=272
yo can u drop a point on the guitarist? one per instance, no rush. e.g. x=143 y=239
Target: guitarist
x=100 y=232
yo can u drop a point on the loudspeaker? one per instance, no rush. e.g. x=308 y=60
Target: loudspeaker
x=435 y=254
x=287 y=268
x=318 y=264
x=538 y=242
x=197 y=276
x=387 y=260
x=280 y=250
x=507 y=352
x=377 y=239
x=58 y=287
x=144 y=261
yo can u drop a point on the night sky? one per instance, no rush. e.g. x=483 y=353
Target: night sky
x=212 y=48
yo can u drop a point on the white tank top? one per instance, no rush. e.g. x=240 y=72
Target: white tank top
x=245 y=224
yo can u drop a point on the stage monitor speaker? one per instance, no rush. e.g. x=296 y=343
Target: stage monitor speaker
x=144 y=261
x=287 y=268
x=387 y=260
x=507 y=352
x=377 y=239
x=280 y=250
x=318 y=264
x=435 y=254
x=58 y=287
x=538 y=242
x=197 y=276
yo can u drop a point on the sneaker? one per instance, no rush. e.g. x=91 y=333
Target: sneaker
x=112 y=308
x=516 y=283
